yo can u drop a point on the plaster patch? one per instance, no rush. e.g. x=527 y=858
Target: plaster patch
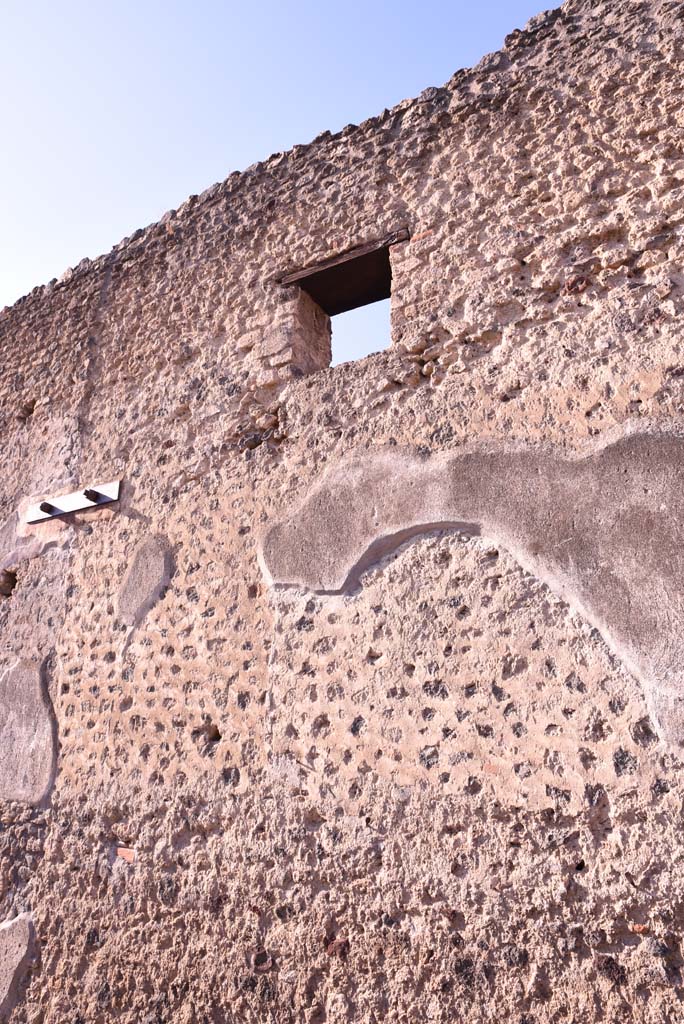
x=149 y=574
x=604 y=531
x=27 y=735
x=15 y=949
x=21 y=542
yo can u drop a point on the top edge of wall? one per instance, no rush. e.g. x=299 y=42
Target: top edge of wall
x=518 y=46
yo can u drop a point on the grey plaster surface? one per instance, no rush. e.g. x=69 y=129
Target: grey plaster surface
x=27 y=735
x=604 y=531
x=148 y=575
x=15 y=951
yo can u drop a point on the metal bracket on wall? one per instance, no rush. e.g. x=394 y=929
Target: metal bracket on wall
x=77 y=501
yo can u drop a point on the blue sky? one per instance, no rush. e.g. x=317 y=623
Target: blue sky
x=113 y=113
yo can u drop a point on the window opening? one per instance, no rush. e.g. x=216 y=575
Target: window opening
x=361 y=332
x=354 y=288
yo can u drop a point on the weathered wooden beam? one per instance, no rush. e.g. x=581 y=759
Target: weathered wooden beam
x=401 y=235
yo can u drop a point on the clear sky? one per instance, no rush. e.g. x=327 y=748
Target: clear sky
x=113 y=113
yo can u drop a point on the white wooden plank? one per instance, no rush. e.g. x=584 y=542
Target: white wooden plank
x=74 y=502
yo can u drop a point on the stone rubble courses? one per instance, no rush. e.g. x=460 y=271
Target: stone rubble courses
x=363 y=703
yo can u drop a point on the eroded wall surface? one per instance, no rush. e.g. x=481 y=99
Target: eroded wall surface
x=231 y=793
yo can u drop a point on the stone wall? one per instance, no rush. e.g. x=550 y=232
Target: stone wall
x=440 y=793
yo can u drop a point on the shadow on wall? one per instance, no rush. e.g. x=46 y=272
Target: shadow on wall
x=360 y=332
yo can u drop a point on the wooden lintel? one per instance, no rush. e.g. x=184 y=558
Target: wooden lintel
x=401 y=235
